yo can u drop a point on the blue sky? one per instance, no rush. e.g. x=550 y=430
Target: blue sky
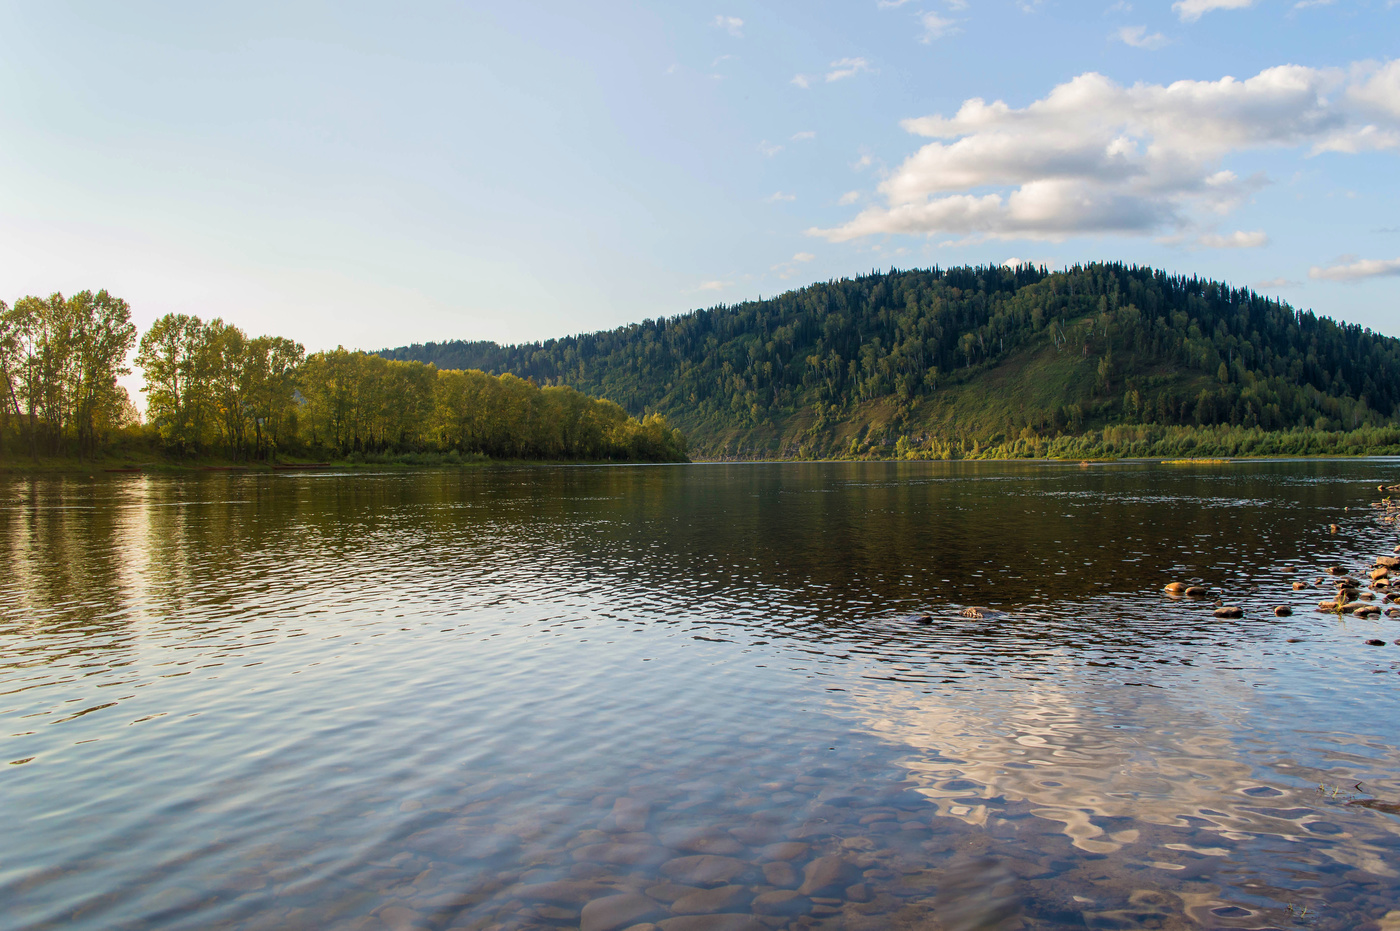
x=377 y=174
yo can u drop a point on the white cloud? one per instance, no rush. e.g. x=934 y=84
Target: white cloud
x=936 y=27
x=1138 y=37
x=789 y=268
x=1304 y=4
x=1239 y=239
x=730 y=24
x=862 y=163
x=890 y=4
x=1192 y=10
x=1096 y=157
x=1275 y=284
x=778 y=197
x=848 y=198
x=1358 y=270
x=803 y=136
x=713 y=286
x=802 y=81
x=846 y=67
x=768 y=148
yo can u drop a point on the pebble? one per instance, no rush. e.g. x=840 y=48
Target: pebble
x=630 y=814
x=1197 y=591
x=787 y=850
x=713 y=923
x=828 y=875
x=781 y=902
x=704 y=841
x=1282 y=611
x=614 y=912
x=705 y=869
x=1229 y=611
x=1175 y=588
x=1375 y=643
x=780 y=874
x=561 y=893
x=710 y=901
x=1299 y=586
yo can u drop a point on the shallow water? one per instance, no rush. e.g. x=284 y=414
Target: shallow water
x=531 y=698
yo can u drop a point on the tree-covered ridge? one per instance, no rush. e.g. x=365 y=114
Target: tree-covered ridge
x=213 y=390
x=985 y=355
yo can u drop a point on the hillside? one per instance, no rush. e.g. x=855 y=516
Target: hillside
x=1105 y=358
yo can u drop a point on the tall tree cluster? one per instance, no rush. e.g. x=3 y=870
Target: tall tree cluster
x=212 y=389
x=60 y=359
x=1147 y=347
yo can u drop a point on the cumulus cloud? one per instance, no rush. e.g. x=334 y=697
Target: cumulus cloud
x=1358 y=270
x=789 y=268
x=1239 y=239
x=802 y=81
x=1138 y=37
x=730 y=24
x=1097 y=157
x=848 y=198
x=846 y=67
x=936 y=27
x=1192 y=10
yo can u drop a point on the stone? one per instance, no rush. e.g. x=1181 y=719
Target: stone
x=710 y=901
x=669 y=892
x=621 y=854
x=1388 y=562
x=693 y=841
x=781 y=902
x=859 y=892
x=630 y=814
x=1327 y=606
x=560 y=893
x=788 y=850
x=1197 y=591
x=1375 y=643
x=733 y=922
x=614 y=912
x=1299 y=586
x=1175 y=588
x=398 y=918
x=1336 y=570
x=1229 y=611
x=1392 y=612
x=1282 y=611
x=703 y=870
x=828 y=875
x=781 y=874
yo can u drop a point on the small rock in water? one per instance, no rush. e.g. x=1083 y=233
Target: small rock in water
x=1175 y=588
x=1389 y=562
x=1327 y=606
x=618 y=911
x=1375 y=643
x=1229 y=611
x=1197 y=591
x=1282 y=611
x=1392 y=612
x=978 y=896
x=829 y=875
x=629 y=815
x=1336 y=570
x=1332 y=528
x=1299 y=586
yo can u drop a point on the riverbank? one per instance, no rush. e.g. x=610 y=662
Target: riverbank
x=378 y=463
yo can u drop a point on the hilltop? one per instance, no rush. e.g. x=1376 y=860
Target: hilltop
x=1106 y=359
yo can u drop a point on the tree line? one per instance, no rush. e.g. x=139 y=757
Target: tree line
x=889 y=353
x=213 y=390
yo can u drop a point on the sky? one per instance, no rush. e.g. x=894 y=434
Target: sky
x=372 y=175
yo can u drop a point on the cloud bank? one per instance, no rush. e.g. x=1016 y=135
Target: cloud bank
x=1358 y=270
x=1097 y=157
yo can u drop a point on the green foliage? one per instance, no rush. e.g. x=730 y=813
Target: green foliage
x=934 y=361
x=210 y=389
x=59 y=363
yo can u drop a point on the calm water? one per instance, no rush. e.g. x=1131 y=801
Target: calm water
x=543 y=697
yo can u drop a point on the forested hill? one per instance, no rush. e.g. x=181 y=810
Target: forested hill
x=960 y=361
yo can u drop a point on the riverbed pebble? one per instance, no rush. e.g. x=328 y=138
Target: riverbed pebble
x=1229 y=611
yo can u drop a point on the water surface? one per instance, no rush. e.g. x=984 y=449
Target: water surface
x=531 y=698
